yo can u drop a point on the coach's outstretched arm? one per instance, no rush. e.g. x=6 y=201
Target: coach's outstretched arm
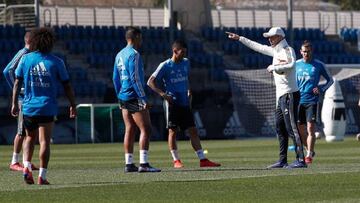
x=264 y=49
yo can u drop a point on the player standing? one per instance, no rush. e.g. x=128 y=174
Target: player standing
x=308 y=73
x=128 y=79
x=9 y=73
x=173 y=74
x=287 y=92
x=39 y=72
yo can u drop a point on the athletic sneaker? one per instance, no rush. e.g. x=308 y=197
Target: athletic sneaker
x=146 y=168
x=131 y=168
x=16 y=167
x=42 y=181
x=28 y=178
x=279 y=164
x=297 y=164
x=178 y=164
x=309 y=159
x=208 y=163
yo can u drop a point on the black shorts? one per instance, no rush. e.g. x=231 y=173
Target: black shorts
x=178 y=116
x=307 y=113
x=133 y=105
x=32 y=122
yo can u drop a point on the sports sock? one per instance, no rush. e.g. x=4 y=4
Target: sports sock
x=128 y=158
x=42 y=173
x=308 y=153
x=143 y=156
x=27 y=164
x=15 y=158
x=200 y=154
x=175 y=155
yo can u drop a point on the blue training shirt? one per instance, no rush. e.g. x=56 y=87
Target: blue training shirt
x=175 y=77
x=9 y=71
x=308 y=77
x=128 y=75
x=40 y=73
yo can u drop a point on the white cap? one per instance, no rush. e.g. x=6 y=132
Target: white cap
x=274 y=31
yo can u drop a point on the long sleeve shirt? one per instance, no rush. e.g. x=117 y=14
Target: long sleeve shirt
x=283 y=64
x=308 y=77
x=9 y=71
x=128 y=75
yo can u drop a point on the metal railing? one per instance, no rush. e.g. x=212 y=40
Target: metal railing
x=329 y=21
x=2 y=13
x=23 y=14
x=101 y=16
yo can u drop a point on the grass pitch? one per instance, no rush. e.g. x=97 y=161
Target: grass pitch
x=94 y=173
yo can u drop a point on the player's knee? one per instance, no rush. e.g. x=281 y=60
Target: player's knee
x=172 y=133
x=311 y=128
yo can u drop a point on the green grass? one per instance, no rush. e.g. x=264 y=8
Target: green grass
x=94 y=173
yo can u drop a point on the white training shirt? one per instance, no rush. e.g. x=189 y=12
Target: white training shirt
x=283 y=63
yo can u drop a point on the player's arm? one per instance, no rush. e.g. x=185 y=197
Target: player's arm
x=189 y=93
x=117 y=76
x=264 y=49
x=329 y=80
x=134 y=72
x=15 y=96
x=285 y=66
x=68 y=90
x=152 y=83
x=19 y=76
x=8 y=75
x=9 y=71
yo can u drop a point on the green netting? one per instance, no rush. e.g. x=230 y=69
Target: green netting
x=103 y=118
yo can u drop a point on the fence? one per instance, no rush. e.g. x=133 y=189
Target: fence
x=329 y=21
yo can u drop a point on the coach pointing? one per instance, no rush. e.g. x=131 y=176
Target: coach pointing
x=287 y=93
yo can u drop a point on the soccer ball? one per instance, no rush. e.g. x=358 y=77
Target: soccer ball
x=358 y=137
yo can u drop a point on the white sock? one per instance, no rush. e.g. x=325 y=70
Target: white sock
x=15 y=158
x=27 y=164
x=175 y=155
x=310 y=154
x=143 y=156
x=200 y=154
x=42 y=173
x=128 y=158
